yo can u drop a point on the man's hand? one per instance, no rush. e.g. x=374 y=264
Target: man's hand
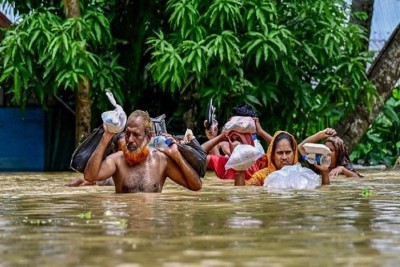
x=171 y=151
x=107 y=131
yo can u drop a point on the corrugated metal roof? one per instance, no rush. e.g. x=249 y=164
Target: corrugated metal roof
x=7 y=11
x=385 y=19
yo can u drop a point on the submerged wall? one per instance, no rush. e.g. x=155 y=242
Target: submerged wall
x=22 y=139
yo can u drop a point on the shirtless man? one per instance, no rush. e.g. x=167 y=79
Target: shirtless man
x=139 y=168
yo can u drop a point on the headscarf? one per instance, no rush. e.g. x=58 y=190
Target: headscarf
x=258 y=177
x=245 y=138
x=342 y=155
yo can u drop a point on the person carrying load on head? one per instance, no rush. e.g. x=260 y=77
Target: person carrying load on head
x=238 y=130
x=242 y=110
x=340 y=160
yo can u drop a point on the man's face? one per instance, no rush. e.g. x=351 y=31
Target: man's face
x=135 y=135
x=136 y=150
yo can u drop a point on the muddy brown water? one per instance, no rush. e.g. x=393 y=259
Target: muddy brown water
x=43 y=223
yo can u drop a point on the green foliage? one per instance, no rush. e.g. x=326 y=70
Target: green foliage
x=45 y=54
x=381 y=144
x=300 y=63
x=366 y=192
x=85 y=215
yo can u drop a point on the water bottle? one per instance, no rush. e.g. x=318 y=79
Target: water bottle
x=322 y=160
x=160 y=142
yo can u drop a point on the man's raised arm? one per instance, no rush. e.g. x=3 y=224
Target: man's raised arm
x=96 y=168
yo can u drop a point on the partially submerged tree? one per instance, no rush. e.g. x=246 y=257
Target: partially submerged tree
x=384 y=73
x=371 y=130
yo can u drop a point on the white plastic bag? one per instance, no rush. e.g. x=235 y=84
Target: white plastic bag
x=292 y=177
x=115 y=120
x=242 y=157
x=241 y=124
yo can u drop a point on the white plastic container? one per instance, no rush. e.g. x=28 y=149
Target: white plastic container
x=312 y=148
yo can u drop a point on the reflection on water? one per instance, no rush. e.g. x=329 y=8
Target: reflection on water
x=43 y=223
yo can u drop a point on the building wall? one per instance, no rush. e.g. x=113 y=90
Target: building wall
x=22 y=139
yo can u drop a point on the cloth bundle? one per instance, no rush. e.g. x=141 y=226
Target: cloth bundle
x=241 y=124
x=243 y=156
x=114 y=120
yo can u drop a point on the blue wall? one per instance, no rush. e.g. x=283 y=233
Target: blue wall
x=22 y=139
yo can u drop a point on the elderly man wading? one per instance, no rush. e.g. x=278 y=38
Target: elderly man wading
x=139 y=168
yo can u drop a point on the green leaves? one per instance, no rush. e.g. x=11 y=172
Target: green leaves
x=268 y=46
x=85 y=215
x=259 y=14
x=224 y=14
x=44 y=54
x=366 y=192
x=275 y=55
x=168 y=66
x=196 y=55
x=183 y=16
x=381 y=143
x=225 y=47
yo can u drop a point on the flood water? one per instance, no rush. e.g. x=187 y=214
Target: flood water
x=43 y=223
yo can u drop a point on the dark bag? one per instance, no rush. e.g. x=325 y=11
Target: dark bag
x=195 y=155
x=83 y=152
x=158 y=125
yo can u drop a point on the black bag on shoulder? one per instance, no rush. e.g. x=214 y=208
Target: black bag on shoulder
x=83 y=152
x=195 y=155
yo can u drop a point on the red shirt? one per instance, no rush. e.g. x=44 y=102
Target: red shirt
x=217 y=163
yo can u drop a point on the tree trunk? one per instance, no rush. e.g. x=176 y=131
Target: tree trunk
x=71 y=8
x=383 y=73
x=82 y=111
x=82 y=95
x=366 y=6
